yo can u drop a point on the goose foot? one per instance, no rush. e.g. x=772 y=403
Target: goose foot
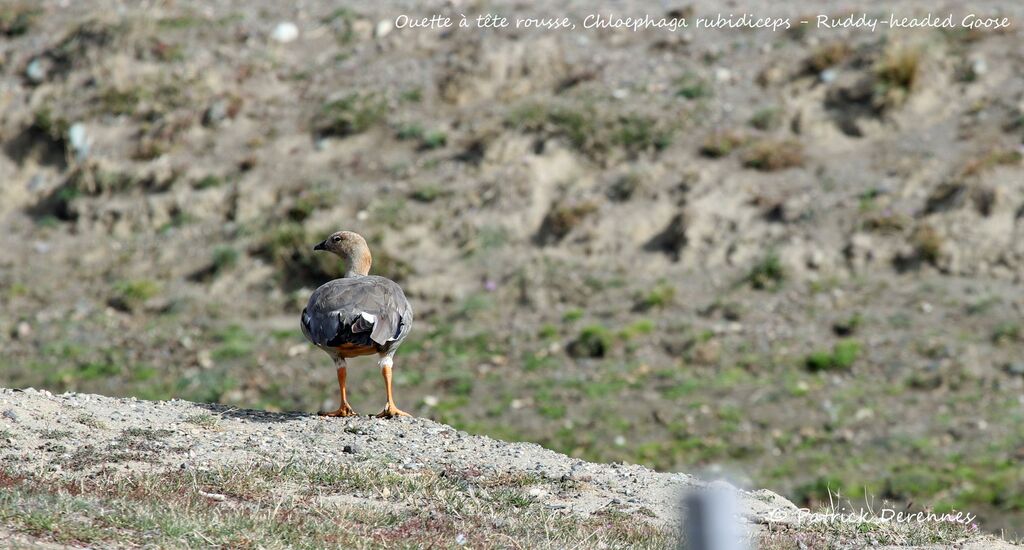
x=391 y=411
x=343 y=410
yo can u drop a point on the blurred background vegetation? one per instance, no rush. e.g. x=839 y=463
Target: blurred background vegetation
x=792 y=256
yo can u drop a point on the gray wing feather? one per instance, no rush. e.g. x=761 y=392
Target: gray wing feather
x=340 y=305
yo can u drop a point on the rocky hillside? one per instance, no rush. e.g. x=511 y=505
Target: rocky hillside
x=81 y=469
x=797 y=256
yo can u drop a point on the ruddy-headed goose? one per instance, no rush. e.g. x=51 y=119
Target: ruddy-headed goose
x=359 y=314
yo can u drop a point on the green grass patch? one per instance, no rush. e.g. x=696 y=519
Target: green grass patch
x=350 y=115
x=767 y=274
x=842 y=357
x=593 y=341
x=131 y=294
x=234 y=342
x=693 y=86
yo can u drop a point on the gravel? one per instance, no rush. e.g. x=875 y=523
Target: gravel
x=242 y=436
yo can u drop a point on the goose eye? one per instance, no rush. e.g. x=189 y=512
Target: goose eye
x=336 y=238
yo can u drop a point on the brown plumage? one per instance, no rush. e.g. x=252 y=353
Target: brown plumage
x=359 y=314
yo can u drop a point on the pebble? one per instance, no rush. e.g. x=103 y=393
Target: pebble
x=35 y=71
x=815 y=258
x=285 y=32
x=1016 y=368
x=979 y=66
x=78 y=139
x=216 y=113
x=383 y=28
x=37 y=182
x=11 y=415
x=350 y=449
x=23 y=330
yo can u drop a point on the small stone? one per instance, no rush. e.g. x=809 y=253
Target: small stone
x=216 y=113
x=460 y=539
x=37 y=182
x=863 y=414
x=350 y=449
x=78 y=139
x=1016 y=368
x=979 y=66
x=9 y=414
x=828 y=76
x=285 y=32
x=383 y=28
x=815 y=258
x=431 y=400
x=23 y=331
x=36 y=71
x=213 y=496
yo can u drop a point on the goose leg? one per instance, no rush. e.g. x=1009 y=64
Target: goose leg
x=390 y=410
x=344 y=409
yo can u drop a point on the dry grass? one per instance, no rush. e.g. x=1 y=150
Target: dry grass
x=927 y=243
x=896 y=74
x=369 y=505
x=828 y=55
x=303 y=506
x=770 y=155
x=860 y=526
x=562 y=219
x=722 y=143
x=989 y=160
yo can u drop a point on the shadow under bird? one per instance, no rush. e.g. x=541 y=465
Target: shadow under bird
x=358 y=314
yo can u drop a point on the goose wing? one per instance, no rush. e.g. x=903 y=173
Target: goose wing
x=359 y=310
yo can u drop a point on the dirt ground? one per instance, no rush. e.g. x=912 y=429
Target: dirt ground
x=792 y=257
x=76 y=463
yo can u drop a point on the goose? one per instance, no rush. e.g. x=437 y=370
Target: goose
x=358 y=314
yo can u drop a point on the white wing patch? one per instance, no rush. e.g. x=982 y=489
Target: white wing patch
x=366 y=322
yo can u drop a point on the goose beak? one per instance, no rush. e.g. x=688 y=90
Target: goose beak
x=322 y=245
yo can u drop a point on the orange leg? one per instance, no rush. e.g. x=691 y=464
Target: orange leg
x=390 y=410
x=344 y=409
